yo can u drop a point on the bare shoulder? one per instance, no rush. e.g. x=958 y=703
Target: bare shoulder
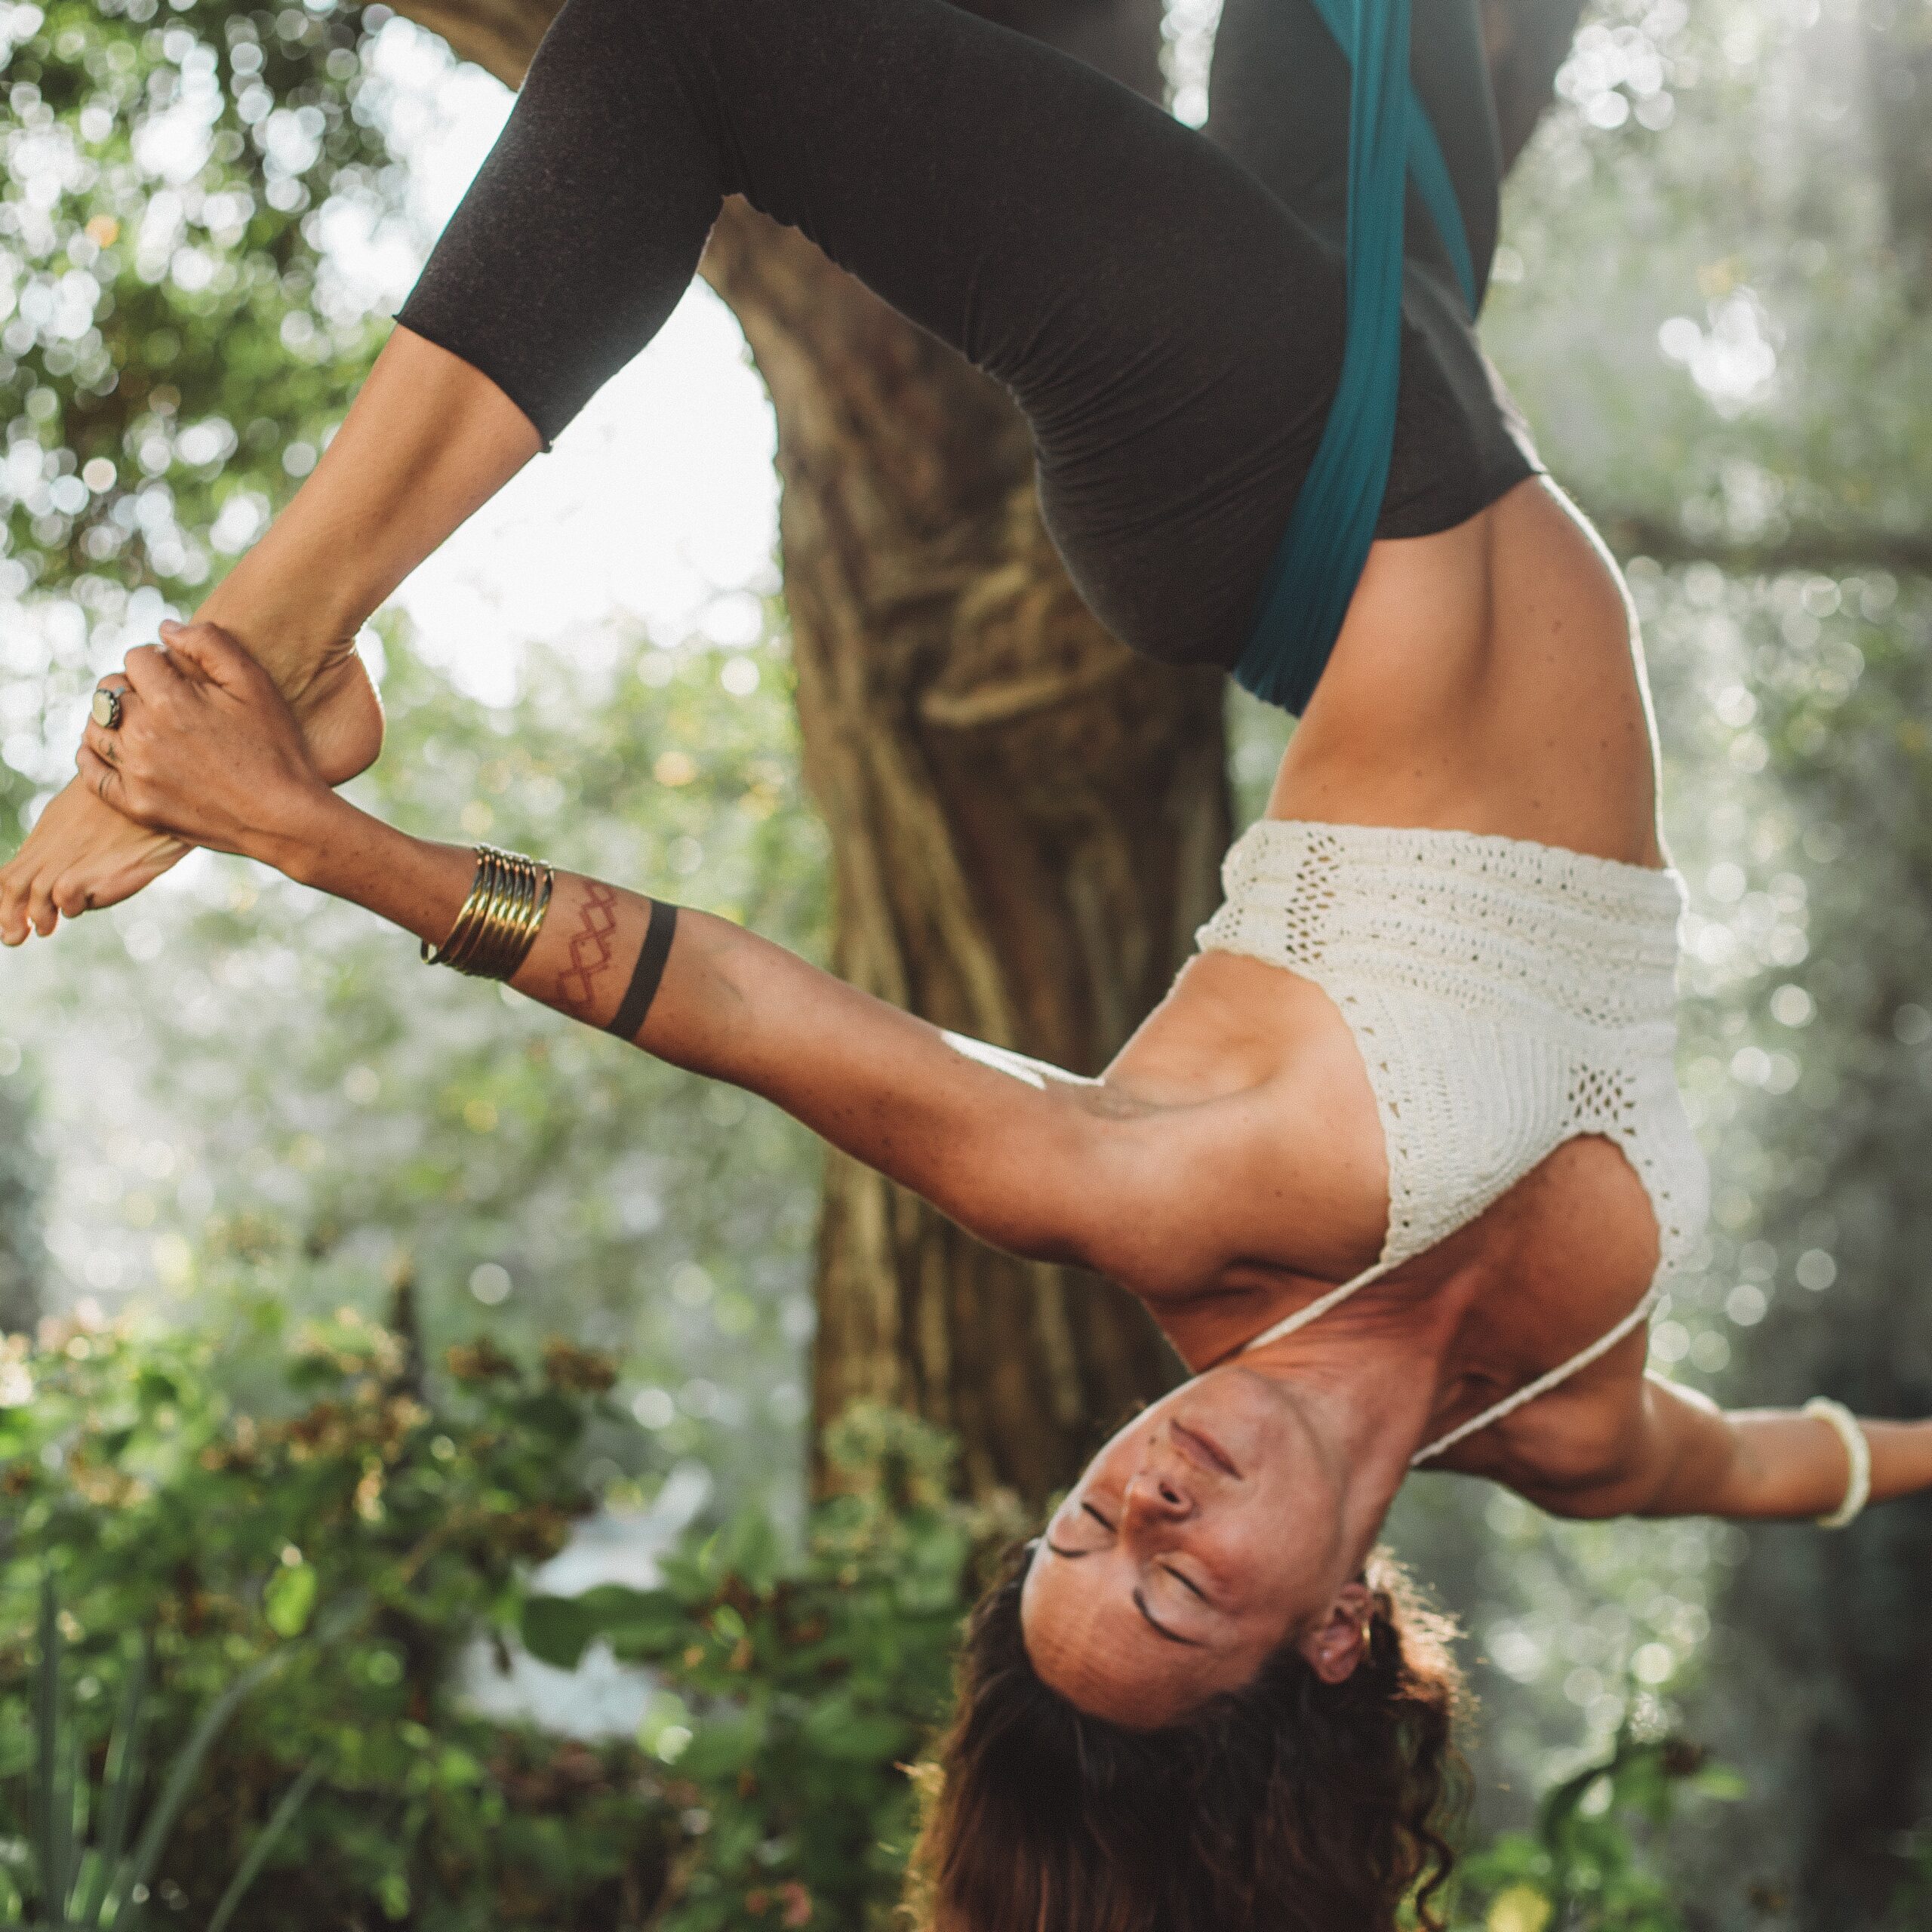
x=1573 y=1451
x=1569 y=1253
x=1252 y=1143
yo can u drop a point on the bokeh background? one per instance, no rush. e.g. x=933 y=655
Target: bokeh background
x=1714 y=300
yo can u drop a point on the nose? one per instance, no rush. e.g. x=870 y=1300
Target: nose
x=1156 y=1495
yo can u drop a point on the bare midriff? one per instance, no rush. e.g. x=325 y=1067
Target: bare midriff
x=1487 y=679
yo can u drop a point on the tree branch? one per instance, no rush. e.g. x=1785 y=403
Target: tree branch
x=1831 y=551
x=500 y=36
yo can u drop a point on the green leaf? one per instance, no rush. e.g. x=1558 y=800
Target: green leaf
x=836 y=1729
x=289 y=1601
x=137 y=1869
x=124 y=1767
x=266 y=1839
x=1720 y=1782
x=53 y=1819
x=724 y=1747
x=749 y=1548
x=558 y=1630
x=638 y=1624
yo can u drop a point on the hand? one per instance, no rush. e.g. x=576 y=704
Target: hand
x=83 y=855
x=207 y=750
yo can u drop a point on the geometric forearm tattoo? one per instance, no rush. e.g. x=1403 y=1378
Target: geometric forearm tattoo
x=593 y=951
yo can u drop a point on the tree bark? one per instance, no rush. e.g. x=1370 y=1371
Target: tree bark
x=1026 y=821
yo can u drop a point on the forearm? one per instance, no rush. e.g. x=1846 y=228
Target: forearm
x=1777 y=1464
x=1009 y=1154
x=582 y=961
x=427 y=440
x=1791 y=1465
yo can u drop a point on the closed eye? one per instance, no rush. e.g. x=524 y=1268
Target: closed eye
x=1060 y=1549
x=1193 y=1588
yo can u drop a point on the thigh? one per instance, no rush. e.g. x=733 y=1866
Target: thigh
x=1173 y=332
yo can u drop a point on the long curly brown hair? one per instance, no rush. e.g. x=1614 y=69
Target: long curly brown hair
x=1291 y=1805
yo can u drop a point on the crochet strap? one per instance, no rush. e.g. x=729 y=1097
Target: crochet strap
x=1543 y=1384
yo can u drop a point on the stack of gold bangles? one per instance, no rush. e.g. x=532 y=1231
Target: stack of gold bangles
x=499 y=920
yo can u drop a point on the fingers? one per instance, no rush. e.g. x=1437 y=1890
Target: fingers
x=149 y=672
x=209 y=649
x=95 y=738
x=101 y=778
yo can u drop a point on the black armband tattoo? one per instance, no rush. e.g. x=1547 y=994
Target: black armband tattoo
x=644 y=982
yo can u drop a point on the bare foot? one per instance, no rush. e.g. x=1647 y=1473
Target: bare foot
x=83 y=856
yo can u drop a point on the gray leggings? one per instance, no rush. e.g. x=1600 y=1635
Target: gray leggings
x=1166 y=306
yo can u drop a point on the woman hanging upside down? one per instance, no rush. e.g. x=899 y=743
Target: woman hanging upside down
x=1399 y=1163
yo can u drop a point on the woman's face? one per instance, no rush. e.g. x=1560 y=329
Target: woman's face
x=1203 y=1536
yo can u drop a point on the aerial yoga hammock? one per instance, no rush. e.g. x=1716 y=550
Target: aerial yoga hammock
x=1417 y=1082
x=1330 y=531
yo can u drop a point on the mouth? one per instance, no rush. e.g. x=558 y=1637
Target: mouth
x=1202 y=1450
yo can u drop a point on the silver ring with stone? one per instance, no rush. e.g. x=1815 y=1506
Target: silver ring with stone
x=109 y=707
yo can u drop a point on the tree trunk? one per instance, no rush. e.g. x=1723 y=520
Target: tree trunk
x=1026 y=820
x=21 y=1251
x=1898 y=50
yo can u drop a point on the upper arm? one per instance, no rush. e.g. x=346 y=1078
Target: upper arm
x=1658 y=1451
x=1016 y=1152
x=1678 y=1454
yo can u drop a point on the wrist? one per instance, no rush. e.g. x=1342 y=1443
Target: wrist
x=302 y=841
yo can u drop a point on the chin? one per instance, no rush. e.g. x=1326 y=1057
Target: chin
x=1251 y=1418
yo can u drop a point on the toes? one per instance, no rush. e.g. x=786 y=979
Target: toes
x=13 y=908
x=42 y=914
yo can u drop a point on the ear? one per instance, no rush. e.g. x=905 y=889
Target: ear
x=1338 y=1642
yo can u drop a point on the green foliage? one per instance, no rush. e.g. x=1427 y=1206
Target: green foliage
x=796 y=1693
x=174 y=345
x=1590 y=1864
x=168 y=306
x=313 y=1104
x=288 y=1587
x=64 y=1876
x=355 y=1537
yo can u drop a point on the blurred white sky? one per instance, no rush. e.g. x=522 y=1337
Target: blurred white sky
x=661 y=496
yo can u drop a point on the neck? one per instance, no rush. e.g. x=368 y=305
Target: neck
x=1366 y=1379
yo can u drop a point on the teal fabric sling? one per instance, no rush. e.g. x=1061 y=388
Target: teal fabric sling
x=1323 y=550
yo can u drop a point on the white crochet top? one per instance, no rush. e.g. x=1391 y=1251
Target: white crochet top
x=1505 y=997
